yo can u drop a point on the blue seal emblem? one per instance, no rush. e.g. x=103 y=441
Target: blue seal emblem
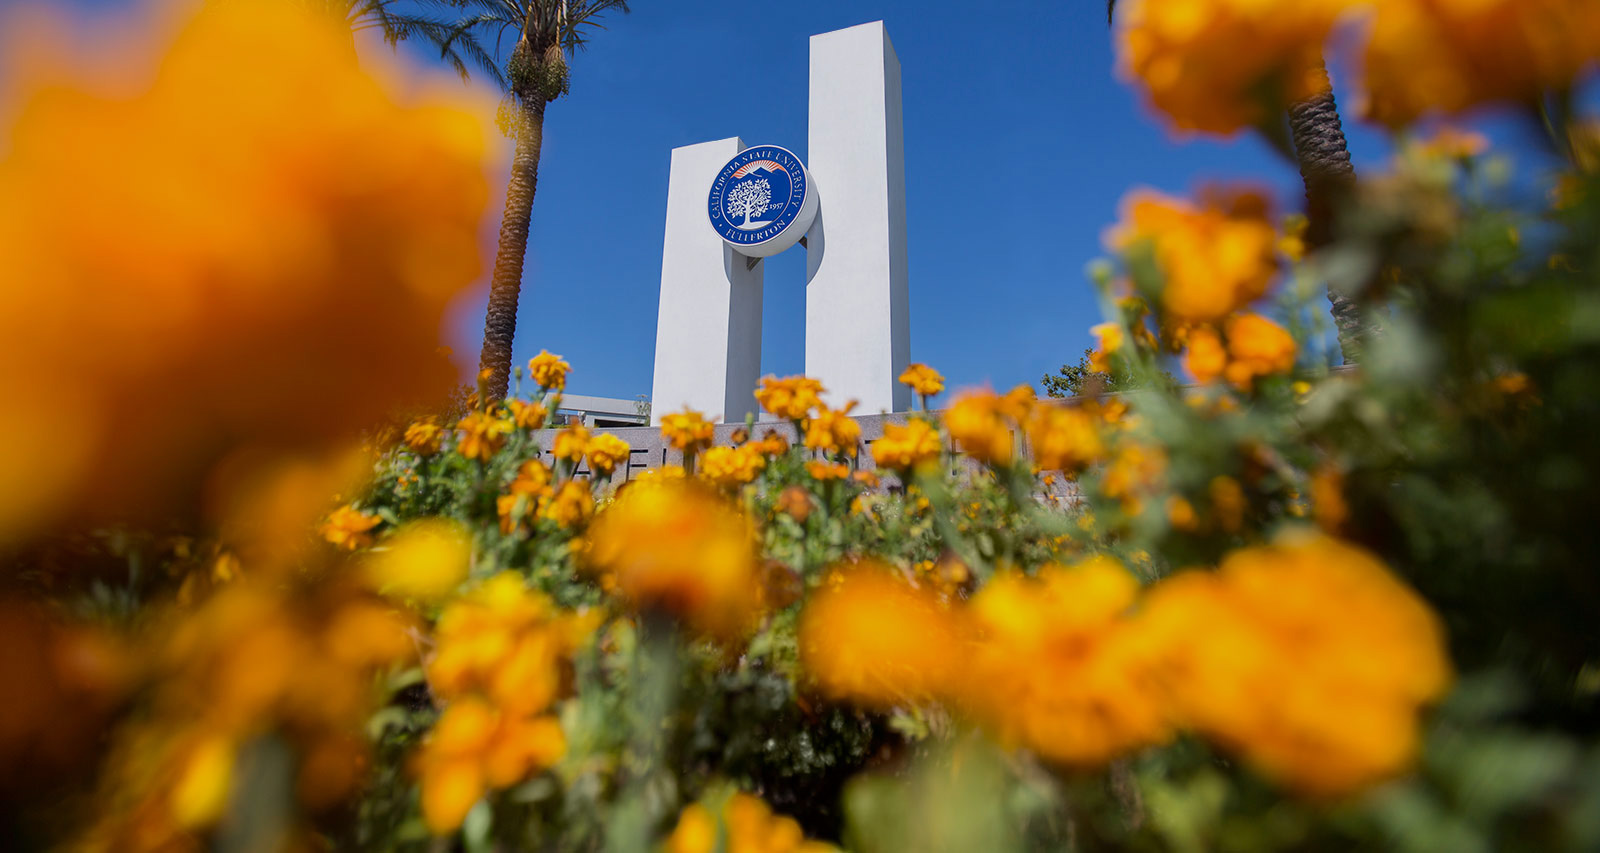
x=762 y=201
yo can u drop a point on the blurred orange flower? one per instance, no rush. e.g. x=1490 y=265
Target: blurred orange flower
x=1218 y=66
x=182 y=299
x=675 y=545
x=1452 y=55
x=870 y=636
x=1215 y=257
x=1307 y=657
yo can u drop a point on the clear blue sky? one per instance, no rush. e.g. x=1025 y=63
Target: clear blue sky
x=1019 y=140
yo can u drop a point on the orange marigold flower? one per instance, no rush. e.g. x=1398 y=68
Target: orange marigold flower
x=1215 y=257
x=606 y=451
x=571 y=443
x=350 y=528
x=527 y=415
x=871 y=637
x=424 y=438
x=982 y=425
x=570 y=506
x=906 y=447
x=923 y=379
x=1205 y=358
x=688 y=431
x=747 y=825
x=475 y=747
x=677 y=546
x=1217 y=66
x=834 y=431
x=1060 y=668
x=824 y=470
x=791 y=398
x=1256 y=347
x=1306 y=657
x=482 y=436
x=1450 y=55
x=774 y=443
x=733 y=466
x=1108 y=340
x=187 y=300
x=1065 y=438
x=549 y=370
x=423 y=560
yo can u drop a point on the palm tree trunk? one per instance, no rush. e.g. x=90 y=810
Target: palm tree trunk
x=1324 y=160
x=500 y=322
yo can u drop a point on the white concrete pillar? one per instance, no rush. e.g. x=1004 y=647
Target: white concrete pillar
x=708 y=327
x=858 y=325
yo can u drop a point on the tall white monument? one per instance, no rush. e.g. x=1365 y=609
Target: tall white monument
x=730 y=205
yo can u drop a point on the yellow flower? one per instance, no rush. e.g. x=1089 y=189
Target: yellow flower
x=507 y=643
x=1065 y=437
x=571 y=506
x=824 y=470
x=1306 y=657
x=186 y=300
x=549 y=370
x=773 y=443
x=1181 y=514
x=675 y=545
x=424 y=437
x=1228 y=503
x=349 y=528
x=606 y=452
x=906 y=447
x=875 y=639
x=1453 y=143
x=533 y=479
x=923 y=379
x=834 y=431
x=1328 y=506
x=689 y=431
x=1059 y=668
x=202 y=790
x=571 y=443
x=475 y=747
x=791 y=398
x=747 y=825
x=733 y=466
x=1256 y=347
x=1134 y=473
x=527 y=415
x=1452 y=55
x=1217 y=66
x=979 y=422
x=1292 y=244
x=424 y=560
x=482 y=436
x=1214 y=258
x=1108 y=340
x=1205 y=358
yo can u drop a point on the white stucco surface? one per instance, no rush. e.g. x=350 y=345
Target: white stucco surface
x=708 y=325
x=858 y=334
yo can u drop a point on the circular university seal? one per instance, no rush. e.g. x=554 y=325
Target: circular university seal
x=762 y=201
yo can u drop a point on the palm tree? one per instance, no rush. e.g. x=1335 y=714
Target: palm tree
x=1324 y=160
x=548 y=32
x=396 y=25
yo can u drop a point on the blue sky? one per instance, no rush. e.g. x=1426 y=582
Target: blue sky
x=1019 y=143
